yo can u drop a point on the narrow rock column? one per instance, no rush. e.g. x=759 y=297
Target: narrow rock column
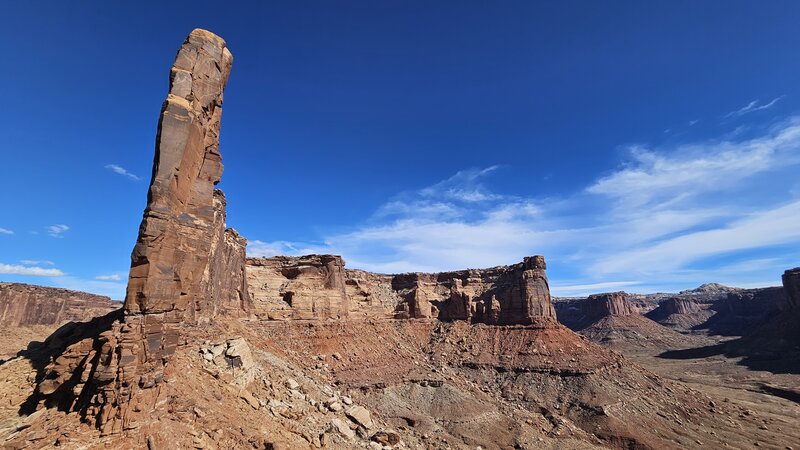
x=535 y=291
x=186 y=267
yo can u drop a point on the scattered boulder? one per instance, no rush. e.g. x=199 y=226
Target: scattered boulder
x=387 y=438
x=360 y=415
x=342 y=428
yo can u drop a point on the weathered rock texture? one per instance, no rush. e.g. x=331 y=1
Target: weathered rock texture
x=306 y=287
x=319 y=287
x=578 y=313
x=607 y=304
x=791 y=284
x=676 y=305
x=185 y=268
x=26 y=305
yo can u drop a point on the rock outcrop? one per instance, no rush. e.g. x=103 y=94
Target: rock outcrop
x=306 y=287
x=676 y=305
x=186 y=267
x=608 y=304
x=26 y=305
x=791 y=284
x=681 y=312
x=319 y=287
x=578 y=313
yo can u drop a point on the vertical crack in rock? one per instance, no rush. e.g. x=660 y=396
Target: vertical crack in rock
x=186 y=267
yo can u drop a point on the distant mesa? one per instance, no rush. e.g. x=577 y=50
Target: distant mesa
x=27 y=305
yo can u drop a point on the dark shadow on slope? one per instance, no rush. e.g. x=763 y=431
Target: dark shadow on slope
x=741 y=313
x=774 y=347
x=41 y=354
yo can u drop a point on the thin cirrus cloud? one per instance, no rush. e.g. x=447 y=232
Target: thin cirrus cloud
x=122 y=171
x=112 y=277
x=34 y=262
x=655 y=222
x=5 y=231
x=753 y=106
x=57 y=231
x=17 y=269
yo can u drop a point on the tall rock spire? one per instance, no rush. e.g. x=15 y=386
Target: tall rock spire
x=169 y=265
x=186 y=267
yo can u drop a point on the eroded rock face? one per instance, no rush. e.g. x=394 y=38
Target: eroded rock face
x=25 y=305
x=310 y=287
x=186 y=267
x=677 y=305
x=184 y=218
x=791 y=284
x=306 y=287
x=607 y=304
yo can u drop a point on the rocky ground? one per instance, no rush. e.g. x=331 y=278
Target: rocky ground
x=422 y=384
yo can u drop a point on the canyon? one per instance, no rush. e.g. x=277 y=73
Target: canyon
x=212 y=349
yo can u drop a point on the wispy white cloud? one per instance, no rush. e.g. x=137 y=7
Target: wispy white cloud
x=753 y=106
x=32 y=262
x=655 y=221
x=464 y=186
x=122 y=171
x=569 y=290
x=698 y=168
x=57 y=230
x=5 y=231
x=112 y=277
x=16 y=269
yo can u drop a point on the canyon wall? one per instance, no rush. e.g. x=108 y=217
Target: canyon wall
x=26 y=305
x=319 y=287
x=578 y=313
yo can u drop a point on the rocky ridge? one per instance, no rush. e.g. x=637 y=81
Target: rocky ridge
x=319 y=287
x=28 y=305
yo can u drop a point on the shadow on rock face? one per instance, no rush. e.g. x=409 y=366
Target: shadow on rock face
x=774 y=347
x=59 y=393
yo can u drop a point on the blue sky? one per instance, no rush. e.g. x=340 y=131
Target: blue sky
x=641 y=146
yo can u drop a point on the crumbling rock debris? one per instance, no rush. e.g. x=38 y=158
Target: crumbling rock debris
x=233 y=354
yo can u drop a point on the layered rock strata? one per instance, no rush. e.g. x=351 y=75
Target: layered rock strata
x=675 y=305
x=186 y=267
x=578 y=313
x=25 y=305
x=608 y=304
x=319 y=287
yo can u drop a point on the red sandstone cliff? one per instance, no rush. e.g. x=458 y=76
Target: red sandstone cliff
x=319 y=287
x=25 y=305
